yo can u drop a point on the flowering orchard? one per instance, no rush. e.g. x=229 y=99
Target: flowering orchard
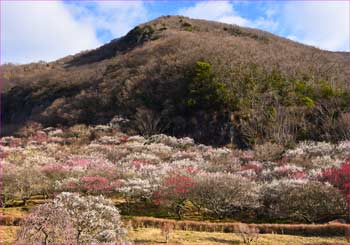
x=269 y=181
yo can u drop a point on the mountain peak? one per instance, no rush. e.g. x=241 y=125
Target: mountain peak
x=163 y=67
x=166 y=26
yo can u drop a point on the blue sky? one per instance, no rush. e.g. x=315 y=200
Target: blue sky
x=47 y=30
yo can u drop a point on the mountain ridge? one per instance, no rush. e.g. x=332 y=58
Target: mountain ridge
x=152 y=69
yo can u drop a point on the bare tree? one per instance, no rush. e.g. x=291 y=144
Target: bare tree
x=147 y=122
x=166 y=230
x=347 y=234
x=249 y=234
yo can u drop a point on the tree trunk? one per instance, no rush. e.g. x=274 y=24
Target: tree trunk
x=178 y=211
x=25 y=200
x=78 y=237
x=46 y=238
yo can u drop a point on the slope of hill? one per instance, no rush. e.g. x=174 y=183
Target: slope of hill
x=215 y=82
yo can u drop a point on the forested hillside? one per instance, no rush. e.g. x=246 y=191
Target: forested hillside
x=214 y=82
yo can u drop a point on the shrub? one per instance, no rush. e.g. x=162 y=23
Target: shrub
x=29 y=129
x=268 y=151
x=81 y=132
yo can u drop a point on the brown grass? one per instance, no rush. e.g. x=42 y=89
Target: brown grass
x=11 y=216
x=153 y=236
x=290 y=229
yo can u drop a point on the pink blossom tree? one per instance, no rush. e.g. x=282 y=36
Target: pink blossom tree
x=173 y=192
x=340 y=178
x=95 y=184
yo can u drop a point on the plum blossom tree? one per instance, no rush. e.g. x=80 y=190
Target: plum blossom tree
x=174 y=192
x=137 y=188
x=46 y=224
x=340 y=178
x=95 y=184
x=7 y=188
x=223 y=193
x=173 y=171
x=301 y=200
x=71 y=218
x=88 y=184
x=94 y=218
x=22 y=181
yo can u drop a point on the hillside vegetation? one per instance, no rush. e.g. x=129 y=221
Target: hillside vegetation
x=214 y=82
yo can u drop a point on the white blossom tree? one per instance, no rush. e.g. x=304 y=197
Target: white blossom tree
x=94 y=218
x=73 y=218
x=222 y=193
x=46 y=224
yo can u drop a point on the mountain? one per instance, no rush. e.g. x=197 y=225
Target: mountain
x=215 y=82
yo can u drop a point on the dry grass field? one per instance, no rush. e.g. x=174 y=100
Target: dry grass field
x=153 y=236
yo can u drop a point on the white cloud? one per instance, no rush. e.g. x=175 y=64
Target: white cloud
x=32 y=31
x=322 y=24
x=217 y=11
x=234 y=19
x=224 y=11
x=116 y=17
